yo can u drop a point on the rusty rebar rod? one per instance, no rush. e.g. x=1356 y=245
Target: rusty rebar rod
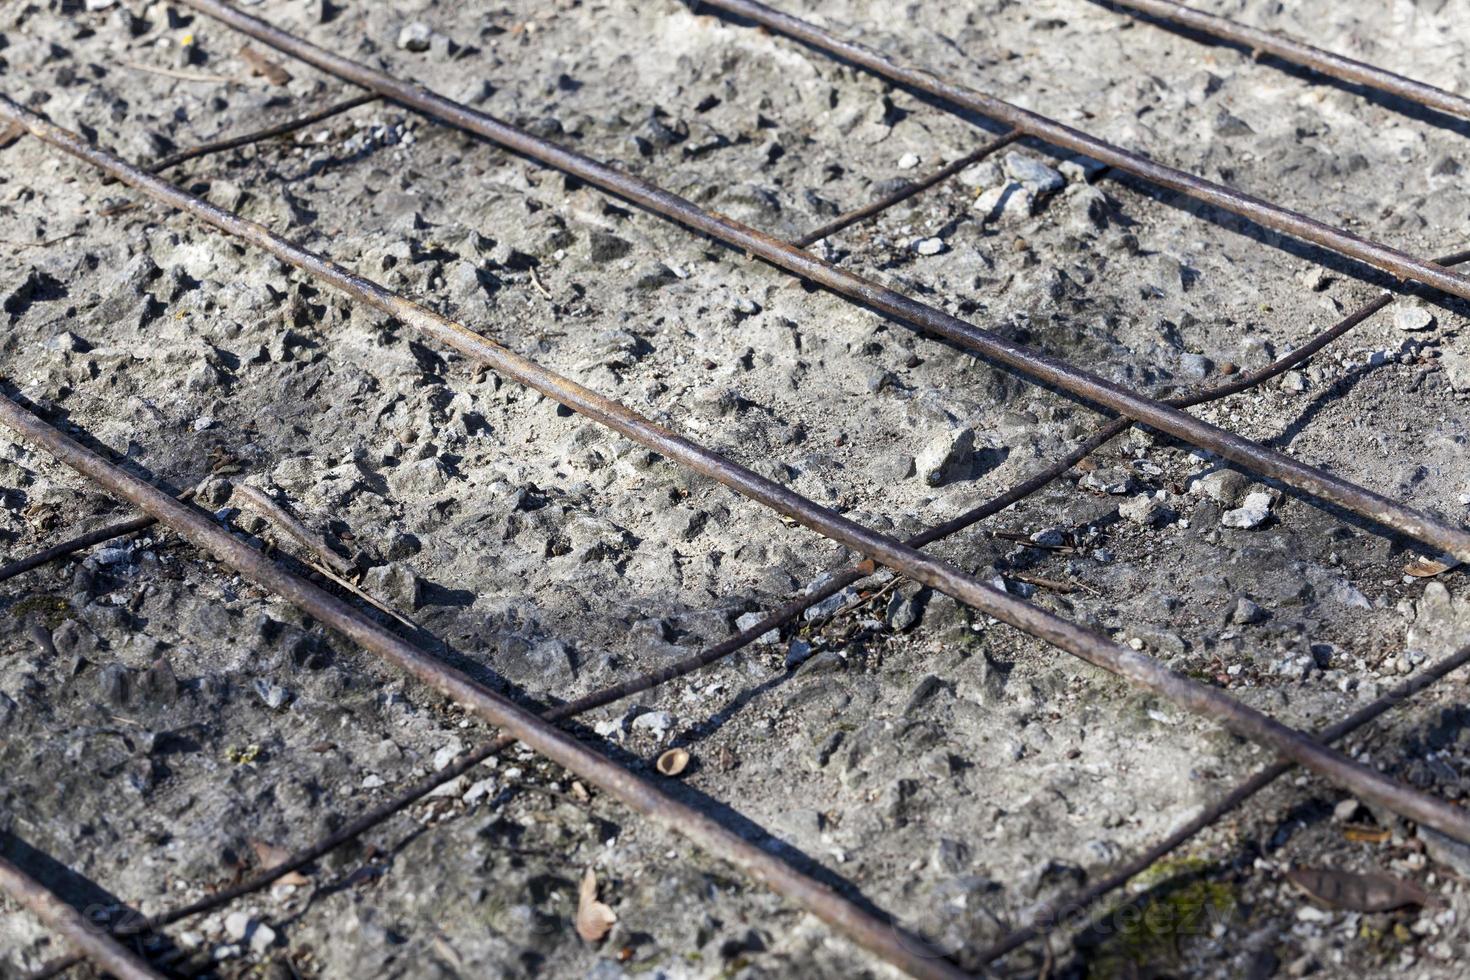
x=1094 y=648
x=1040 y=367
x=255 y=136
x=1262 y=212
x=93 y=943
x=907 y=191
x=884 y=939
x=1046 y=918
x=1300 y=53
x=815 y=592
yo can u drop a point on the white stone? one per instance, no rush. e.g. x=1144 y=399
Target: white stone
x=447 y=754
x=1008 y=202
x=415 y=36
x=929 y=246
x=262 y=938
x=656 y=723
x=946 y=457
x=237 y=925
x=1412 y=318
x=1456 y=369
x=1251 y=514
x=908 y=161
x=480 y=790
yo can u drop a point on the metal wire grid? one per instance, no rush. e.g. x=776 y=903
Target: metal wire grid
x=460 y=115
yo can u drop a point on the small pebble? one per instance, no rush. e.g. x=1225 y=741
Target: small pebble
x=1254 y=512
x=1316 y=278
x=908 y=161
x=929 y=246
x=1412 y=319
x=751 y=619
x=415 y=36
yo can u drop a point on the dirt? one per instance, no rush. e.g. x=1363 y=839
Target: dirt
x=162 y=719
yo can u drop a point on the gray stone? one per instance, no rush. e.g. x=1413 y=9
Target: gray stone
x=750 y=620
x=1034 y=175
x=1225 y=487
x=114 y=684
x=1294 y=382
x=274 y=695
x=1445 y=850
x=950 y=857
x=158 y=683
x=419 y=479
x=946 y=457
x=394 y=584
x=826 y=662
x=1244 y=612
x=1411 y=318
x=1252 y=513
x=1316 y=278
x=987 y=173
x=1050 y=537
x=1080 y=169
x=905 y=608
x=798 y=652
x=604 y=246
x=1148 y=509
x=1456 y=369
x=1007 y=203
x=1111 y=480
x=1196 y=367
x=1441 y=622
x=68 y=343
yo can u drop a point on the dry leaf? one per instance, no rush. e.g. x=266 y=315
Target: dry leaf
x=269 y=855
x=672 y=762
x=1426 y=567
x=1356 y=892
x=9 y=133
x=594 y=919
x=261 y=65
